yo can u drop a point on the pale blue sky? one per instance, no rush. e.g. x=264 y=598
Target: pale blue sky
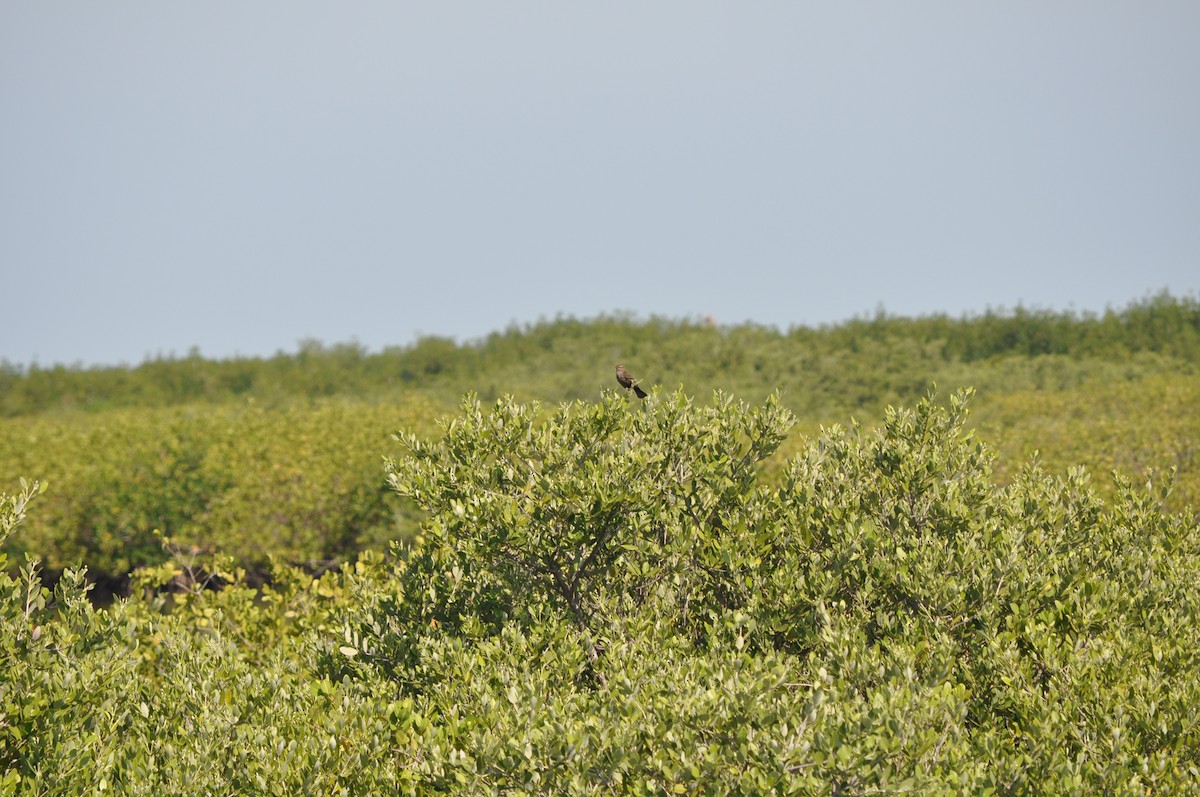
x=238 y=176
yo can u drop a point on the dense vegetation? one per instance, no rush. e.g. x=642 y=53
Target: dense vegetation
x=823 y=372
x=593 y=594
x=281 y=457
x=611 y=598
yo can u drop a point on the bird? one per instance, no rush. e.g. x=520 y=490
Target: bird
x=626 y=380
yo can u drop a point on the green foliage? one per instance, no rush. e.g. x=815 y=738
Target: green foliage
x=1133 y=426
x=274 y=457
x=887 y=618
x=861 y=364
x=215 y=695
x=593 y=506
x=616 y=597
x=301 y=483
x=1045 y=610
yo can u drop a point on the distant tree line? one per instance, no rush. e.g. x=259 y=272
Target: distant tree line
x=855 y=364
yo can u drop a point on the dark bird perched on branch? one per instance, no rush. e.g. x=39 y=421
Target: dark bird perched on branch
x=626 y=380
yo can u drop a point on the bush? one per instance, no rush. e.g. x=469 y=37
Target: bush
x=887 y=618
x=215 y=695
x=302 y=484
x=610 y=598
